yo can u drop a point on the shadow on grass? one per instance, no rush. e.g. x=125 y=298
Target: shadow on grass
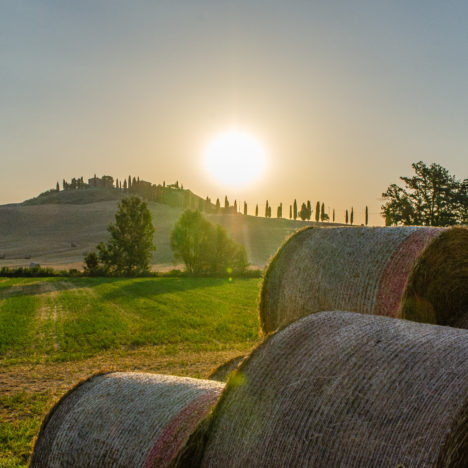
x=150 y=287
x=36 y=288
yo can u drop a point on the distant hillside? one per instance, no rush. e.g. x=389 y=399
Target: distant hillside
x=60 y=228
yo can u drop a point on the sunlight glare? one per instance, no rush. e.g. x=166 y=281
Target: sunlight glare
x=235 y=158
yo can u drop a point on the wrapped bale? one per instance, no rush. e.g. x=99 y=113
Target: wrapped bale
x=416 y=273
x=123 y=419
x=343 y=389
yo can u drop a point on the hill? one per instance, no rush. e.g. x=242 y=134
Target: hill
x=58 y=233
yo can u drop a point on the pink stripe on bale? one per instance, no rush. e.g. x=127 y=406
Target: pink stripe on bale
x=396 y=272
x=179 y=429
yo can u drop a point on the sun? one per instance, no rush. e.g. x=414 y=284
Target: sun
x=235 y=158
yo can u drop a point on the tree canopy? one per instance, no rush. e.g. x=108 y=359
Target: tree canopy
x=128 y=251
x=431 y=197
x=205 y=247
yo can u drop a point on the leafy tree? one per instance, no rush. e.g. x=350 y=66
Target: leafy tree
x=317 y=212
x=432 y=197
x=309 y=210
x=346 y=217
x=279 y=211
x=206 y=248
x=129 y=248
x=303 y=213
x=295 y=209
x=367 y=216
x=351 y=218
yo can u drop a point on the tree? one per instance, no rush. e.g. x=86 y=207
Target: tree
x=317 y=212
x=125 y=184
x=266 y=209
x=256 y=210
x=432 y=197
x=57 y=187
x=226 y=202
x=367 y=216
x=290 y=211
x=309 y=210
x=235 y=206
x=129 y=248
x=333 y=214
x=218 y=205
x=295 y=209
x=346 y=217
x=245 y=208
x=351 y=217
x=279 y=211
x=322 y=212
x=303 y=213
x=205 y=247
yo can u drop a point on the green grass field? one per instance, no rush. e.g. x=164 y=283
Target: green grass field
x=55 y=332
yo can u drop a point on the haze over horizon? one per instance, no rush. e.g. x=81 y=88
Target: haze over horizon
x=343 y=96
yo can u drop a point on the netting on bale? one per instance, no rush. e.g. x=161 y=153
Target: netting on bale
x=343 y=389
x=417 y=273
x=123 y=419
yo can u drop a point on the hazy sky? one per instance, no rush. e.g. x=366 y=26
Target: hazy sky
x=344 y=95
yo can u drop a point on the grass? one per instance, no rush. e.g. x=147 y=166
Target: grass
x=56 y=331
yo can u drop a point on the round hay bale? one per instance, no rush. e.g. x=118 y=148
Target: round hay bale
x=417 y=273
x=343 y=389
x=123 y=420
x=222 y=372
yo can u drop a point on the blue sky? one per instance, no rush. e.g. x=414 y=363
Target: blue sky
x=343 y=95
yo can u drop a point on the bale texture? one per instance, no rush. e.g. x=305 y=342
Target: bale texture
x=123 y=420
x=417 y=273
x=343 y=389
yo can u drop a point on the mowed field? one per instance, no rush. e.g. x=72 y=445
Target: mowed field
x=59 y=235
x=55 y=332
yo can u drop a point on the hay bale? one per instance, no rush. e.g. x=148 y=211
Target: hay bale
x=343 y=389
x=222 y=372
x=123 y=419
x=417 y=273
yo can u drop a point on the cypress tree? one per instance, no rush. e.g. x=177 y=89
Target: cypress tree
x=317 y=212
x=346 y=217
x=235 y=206
x=226 y=202
x=367 y=215
x=125 y=184
x=256 y=210
x=266 y=209
x=57 y=187
x=290 y=211
x=351 y=218
x=129 y=182
x=295 y=209
x=333 y=214
x=322 y=212
x=245 y=208
x=218 y=205
x=279 y=212
x=309 y=210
